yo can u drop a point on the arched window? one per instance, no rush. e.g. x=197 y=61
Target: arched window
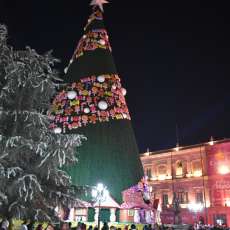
x=196 y=165
x=197 y=168
x=179 y=168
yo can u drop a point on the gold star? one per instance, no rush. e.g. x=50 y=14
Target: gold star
x=98 y=3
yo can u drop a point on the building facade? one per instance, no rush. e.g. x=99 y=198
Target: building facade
x=192 y=183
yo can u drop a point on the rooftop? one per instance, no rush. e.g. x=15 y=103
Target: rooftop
x=179 y=148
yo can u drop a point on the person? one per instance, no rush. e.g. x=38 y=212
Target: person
x=105 y=226
x=50 y=227
x=5 y=224
x=83 y=226
x=78 y=226
x=113 y=228
x=65 y=226
x=24 y=225
x=39 y=227
x=90 y=227
x=30 y=226
x=133 y=226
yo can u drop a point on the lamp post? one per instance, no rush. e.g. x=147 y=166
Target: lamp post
x=99 y=194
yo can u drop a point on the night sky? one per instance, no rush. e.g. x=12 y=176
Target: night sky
x=173 y=58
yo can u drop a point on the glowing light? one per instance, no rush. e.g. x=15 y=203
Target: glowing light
x=177 y=148
x=197 y=173
x=147 y=152
x=162 y=177
x=223 y=169
x=189 y=175
x=94 y=193
x=211 y=142
x=106 y=193
x=153 y=178
x=150 y=188
x=228 y=203
x=57 y=130
x=195 y=207
x=100 y=187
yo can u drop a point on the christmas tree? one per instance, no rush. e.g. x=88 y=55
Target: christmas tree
x=32 y=181
x=93 y=103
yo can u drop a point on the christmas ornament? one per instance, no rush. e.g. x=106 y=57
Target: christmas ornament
x=71 y=95
x=102 y=42
x=124 y=91
x=102 y=105
x=86 y=110
x=57 y=130
x=100 y=79
x=124 y=115
x=99 y=3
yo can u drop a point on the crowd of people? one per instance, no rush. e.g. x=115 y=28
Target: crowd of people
x=4 y=225
x=27 y=225
x=209 y=227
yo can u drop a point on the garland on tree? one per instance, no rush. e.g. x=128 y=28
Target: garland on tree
x=93 y=99
x=94 y=39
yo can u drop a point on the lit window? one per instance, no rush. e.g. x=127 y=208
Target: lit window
x=196 y=165
x=179 y=168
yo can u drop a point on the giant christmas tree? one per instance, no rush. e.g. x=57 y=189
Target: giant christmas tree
x=93 y=104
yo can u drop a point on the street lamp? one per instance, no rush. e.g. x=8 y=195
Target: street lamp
x=99 y=194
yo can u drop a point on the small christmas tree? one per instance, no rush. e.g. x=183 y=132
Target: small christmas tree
x=31 y=156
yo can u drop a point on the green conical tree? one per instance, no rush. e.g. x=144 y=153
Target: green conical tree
x=94 y=105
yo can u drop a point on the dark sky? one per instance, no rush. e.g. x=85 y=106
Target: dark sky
x=173 y=57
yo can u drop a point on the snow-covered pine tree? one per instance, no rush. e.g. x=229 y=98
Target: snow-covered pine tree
x=32 y=182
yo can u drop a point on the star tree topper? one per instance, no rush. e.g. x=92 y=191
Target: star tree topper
x=99 y=3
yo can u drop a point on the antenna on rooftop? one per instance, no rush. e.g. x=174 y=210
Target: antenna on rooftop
x=177 y=139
